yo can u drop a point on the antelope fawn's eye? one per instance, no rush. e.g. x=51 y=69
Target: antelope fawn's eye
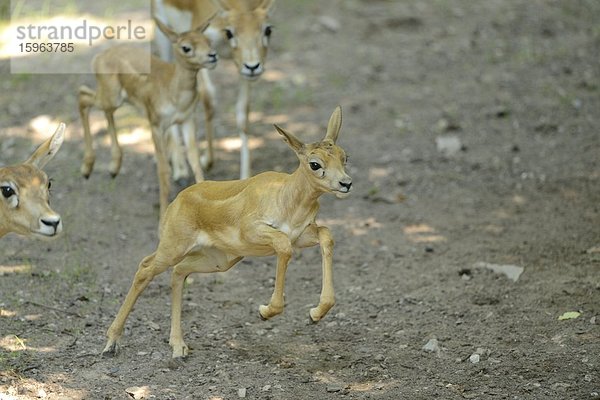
x=268 y=30
x=229 y=34
x=7 y=191
x=186 y=49
x=49 y=184
x=314 y=165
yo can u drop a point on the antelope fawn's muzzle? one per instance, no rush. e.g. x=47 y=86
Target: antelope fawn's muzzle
x=346 y=186
x=252 y=70
x=50 y=225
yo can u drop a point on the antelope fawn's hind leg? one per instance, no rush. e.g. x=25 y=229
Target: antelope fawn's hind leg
x=86 y=101
x=115 y=149
x=147 y=270
x=198 y=262
x=283 y=248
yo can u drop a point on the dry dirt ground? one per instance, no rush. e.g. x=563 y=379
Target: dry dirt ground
x=517 y=82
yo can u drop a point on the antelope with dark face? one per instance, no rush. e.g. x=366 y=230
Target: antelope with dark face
x=240 y=31
x=212 y=225
x=25 y=192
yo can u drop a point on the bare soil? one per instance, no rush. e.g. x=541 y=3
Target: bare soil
x=516 y=81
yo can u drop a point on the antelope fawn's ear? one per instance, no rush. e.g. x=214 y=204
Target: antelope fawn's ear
x=222 y=4
x=266 y=5
x=169 y=33
x=46 y=151
x=291 y=140
x=334 y=125
x=202 y=28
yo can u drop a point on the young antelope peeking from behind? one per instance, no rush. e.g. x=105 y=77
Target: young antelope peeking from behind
x=240 y=31
x=211 y=226
x=25 y=192
x=168 y=96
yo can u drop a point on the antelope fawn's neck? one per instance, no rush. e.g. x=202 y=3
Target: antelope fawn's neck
x=184 y=83
x=299 y=191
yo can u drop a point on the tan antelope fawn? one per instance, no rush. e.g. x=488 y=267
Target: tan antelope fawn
x=167 y=95
x=25 y=192
x=211 y=226
x=240 y=31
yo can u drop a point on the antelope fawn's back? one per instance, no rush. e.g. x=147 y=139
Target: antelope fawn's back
x=24 y=193
x=211 y=226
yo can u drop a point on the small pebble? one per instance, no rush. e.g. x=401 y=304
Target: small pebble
x=334 y=387
x=432 y=345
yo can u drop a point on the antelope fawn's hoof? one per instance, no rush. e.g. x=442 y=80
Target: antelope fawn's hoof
x=114 y=172
x=314 y=316
x=175 y=363
x=183 y=182
x=86 y=171
x=263 y=312
x=180 y=351
x=110 y=350
x=206 y=164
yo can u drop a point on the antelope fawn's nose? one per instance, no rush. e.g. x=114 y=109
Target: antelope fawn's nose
x=252 y=67
x=346 y=185
x=51 y=222
x=212 y=56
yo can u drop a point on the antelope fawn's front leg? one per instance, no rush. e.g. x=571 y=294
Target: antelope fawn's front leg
x=283 y=249
x=312 y=236
x=242 y=110
x=147 y=270
x=162 y=166
x=208 y=98
x=327 y=299
x=188 y=129
x=176 y=154
x=198 y=262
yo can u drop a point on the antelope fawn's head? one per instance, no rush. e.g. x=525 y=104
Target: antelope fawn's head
x=323 y=162
x=191 y=48
x=25 y=191
x=248 y=33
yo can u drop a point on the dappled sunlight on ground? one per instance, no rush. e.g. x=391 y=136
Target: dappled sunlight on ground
x=16 y=387
x=37 y=129
x=7 y=313
x=15 y=269
x=15 y=343
x=356 y=226
x=423 y=233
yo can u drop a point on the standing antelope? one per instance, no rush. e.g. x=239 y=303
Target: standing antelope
x=168 y=96
x=211 y=226
x=25 y=188
x=240 y=31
